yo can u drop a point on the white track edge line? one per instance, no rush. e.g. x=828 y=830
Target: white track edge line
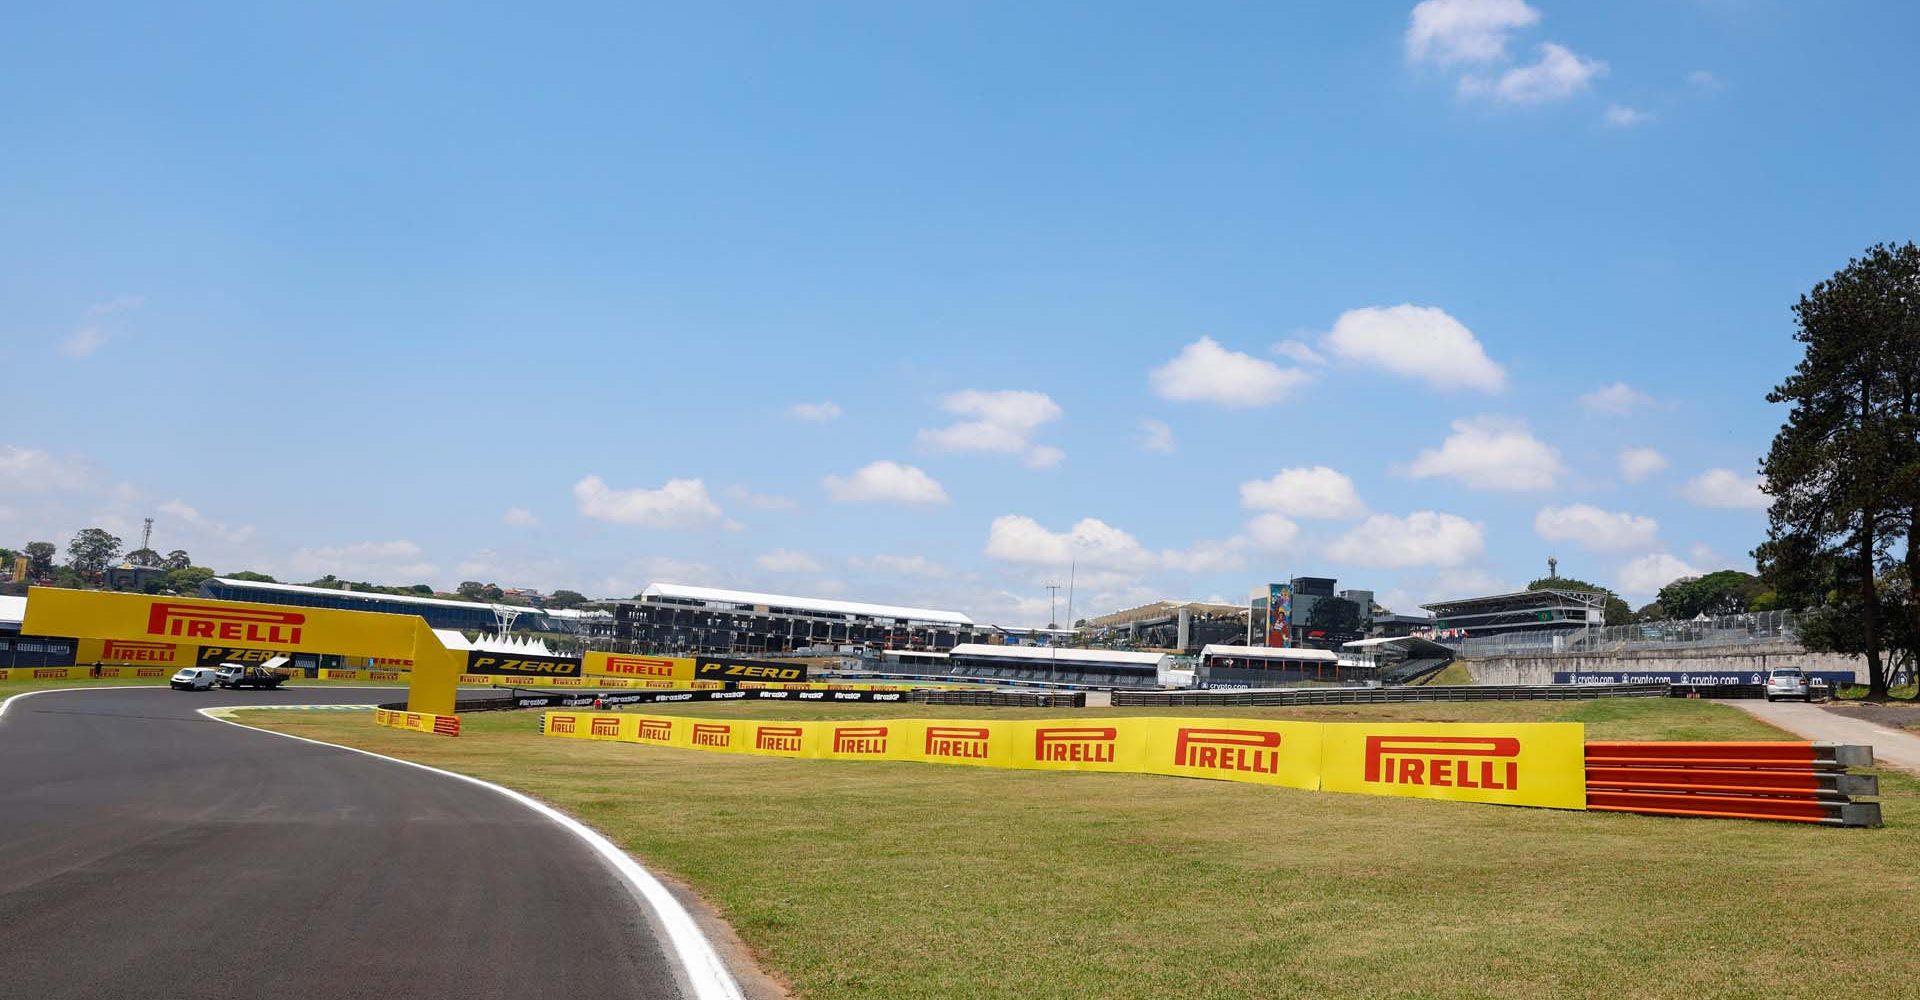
x=704 y=971
x=28 y=694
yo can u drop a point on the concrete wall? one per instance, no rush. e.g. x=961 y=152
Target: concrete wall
x=1757 y=658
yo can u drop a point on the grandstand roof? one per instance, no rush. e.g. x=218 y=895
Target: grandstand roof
x=13 y=610
x=1162 y=609
x=1111 y=656
x=1272 y=653
x=1544 y=596
x=684 y=592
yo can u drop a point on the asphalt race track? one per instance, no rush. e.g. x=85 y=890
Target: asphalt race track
x=147 y=851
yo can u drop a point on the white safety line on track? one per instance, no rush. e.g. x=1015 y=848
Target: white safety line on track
x=111 y=687
x=705 y=974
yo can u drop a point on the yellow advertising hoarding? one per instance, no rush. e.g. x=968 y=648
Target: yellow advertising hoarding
x=1520 y=764
x=1532 y=764
x=633 y=666
x=419 y=722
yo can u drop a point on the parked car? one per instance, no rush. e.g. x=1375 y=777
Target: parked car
x=1786 y=682
x=193 y=679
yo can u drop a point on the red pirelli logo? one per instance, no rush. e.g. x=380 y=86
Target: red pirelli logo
x=785 y=739
x=1446 y=761
x=962 y=742
x=1255 y=751
x=640 y=666
x=204 y=621
x=1075 y=744
x=709 y=734
x=604 y=725
x=860 y=739
x=563 y=724
x=136 y=652
x=446 y=725
x=656 y=729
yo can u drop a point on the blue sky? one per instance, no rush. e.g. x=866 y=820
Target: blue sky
x=1193 y=296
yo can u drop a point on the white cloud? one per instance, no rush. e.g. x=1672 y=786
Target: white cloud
x=1317 y=492
x=1156 y=436
x=1596 y=529
x=1222 y=556
x=519 y=517
x=1002 y=421
x=1642 y=578
x=83 y=342
x=1205 y=372
x=1419 y=342
x=1272 y=532
x=1617 y=400
x=220 y=530
x=1725 y=488
x=1702 y=554
x=681 y=503
x=1491 y=453
x=1639 y=463
x=1457 y=31
x=1621 y=116
x=758 y=501
x=816 y=412
x=787 y=561
x=1423 y=538
x=888 y=482
x=919 y=566
x=393 y=562
x=1093 y=543
x=1299 y=352
x=1044 y=456
x=1704 y=79
x=1560 y=73
x=30 y=470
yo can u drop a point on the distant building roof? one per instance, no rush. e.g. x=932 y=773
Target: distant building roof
x=718 y=596
x=372 y=595
x=13 y=610
x=1162 y=609
x=1107 y=656
x=1272 y=653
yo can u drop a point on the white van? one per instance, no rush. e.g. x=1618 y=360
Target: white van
x=192 y=679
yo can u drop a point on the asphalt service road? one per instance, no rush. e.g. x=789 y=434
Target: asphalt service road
x=148 y=851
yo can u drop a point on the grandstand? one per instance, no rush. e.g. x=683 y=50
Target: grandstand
x=1529 y=616
x=440 y=613
x=1096 y=668
x=1267 y=666
x=1182 y=626
x=674 y=618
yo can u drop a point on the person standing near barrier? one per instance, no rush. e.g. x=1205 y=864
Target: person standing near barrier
x=95 y=673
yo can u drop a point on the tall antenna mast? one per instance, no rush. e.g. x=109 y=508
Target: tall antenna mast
x=1072 y=567
x=146 y=535
x=1053 y=605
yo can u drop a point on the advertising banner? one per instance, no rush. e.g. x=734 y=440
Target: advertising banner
x=1516 y=764
x=123 y=652
x=482 y=663
x=1279 y=615
x=419 y=722
x=718 y=668
x=1692 y=678
x=634 y=666
x=213 y=656
x=196 y=621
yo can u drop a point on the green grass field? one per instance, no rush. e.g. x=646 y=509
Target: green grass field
x=916 y=880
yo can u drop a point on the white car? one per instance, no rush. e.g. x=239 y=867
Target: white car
x=227 y=674
x=1786 y=682
x=192 y=679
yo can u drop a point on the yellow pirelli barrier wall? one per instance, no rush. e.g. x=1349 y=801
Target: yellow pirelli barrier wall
x=240 y=631
x=419 y=722
x=1521 y=764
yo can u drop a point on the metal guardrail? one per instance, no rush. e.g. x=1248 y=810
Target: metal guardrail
x=1006 y=699
x=1391 y=695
